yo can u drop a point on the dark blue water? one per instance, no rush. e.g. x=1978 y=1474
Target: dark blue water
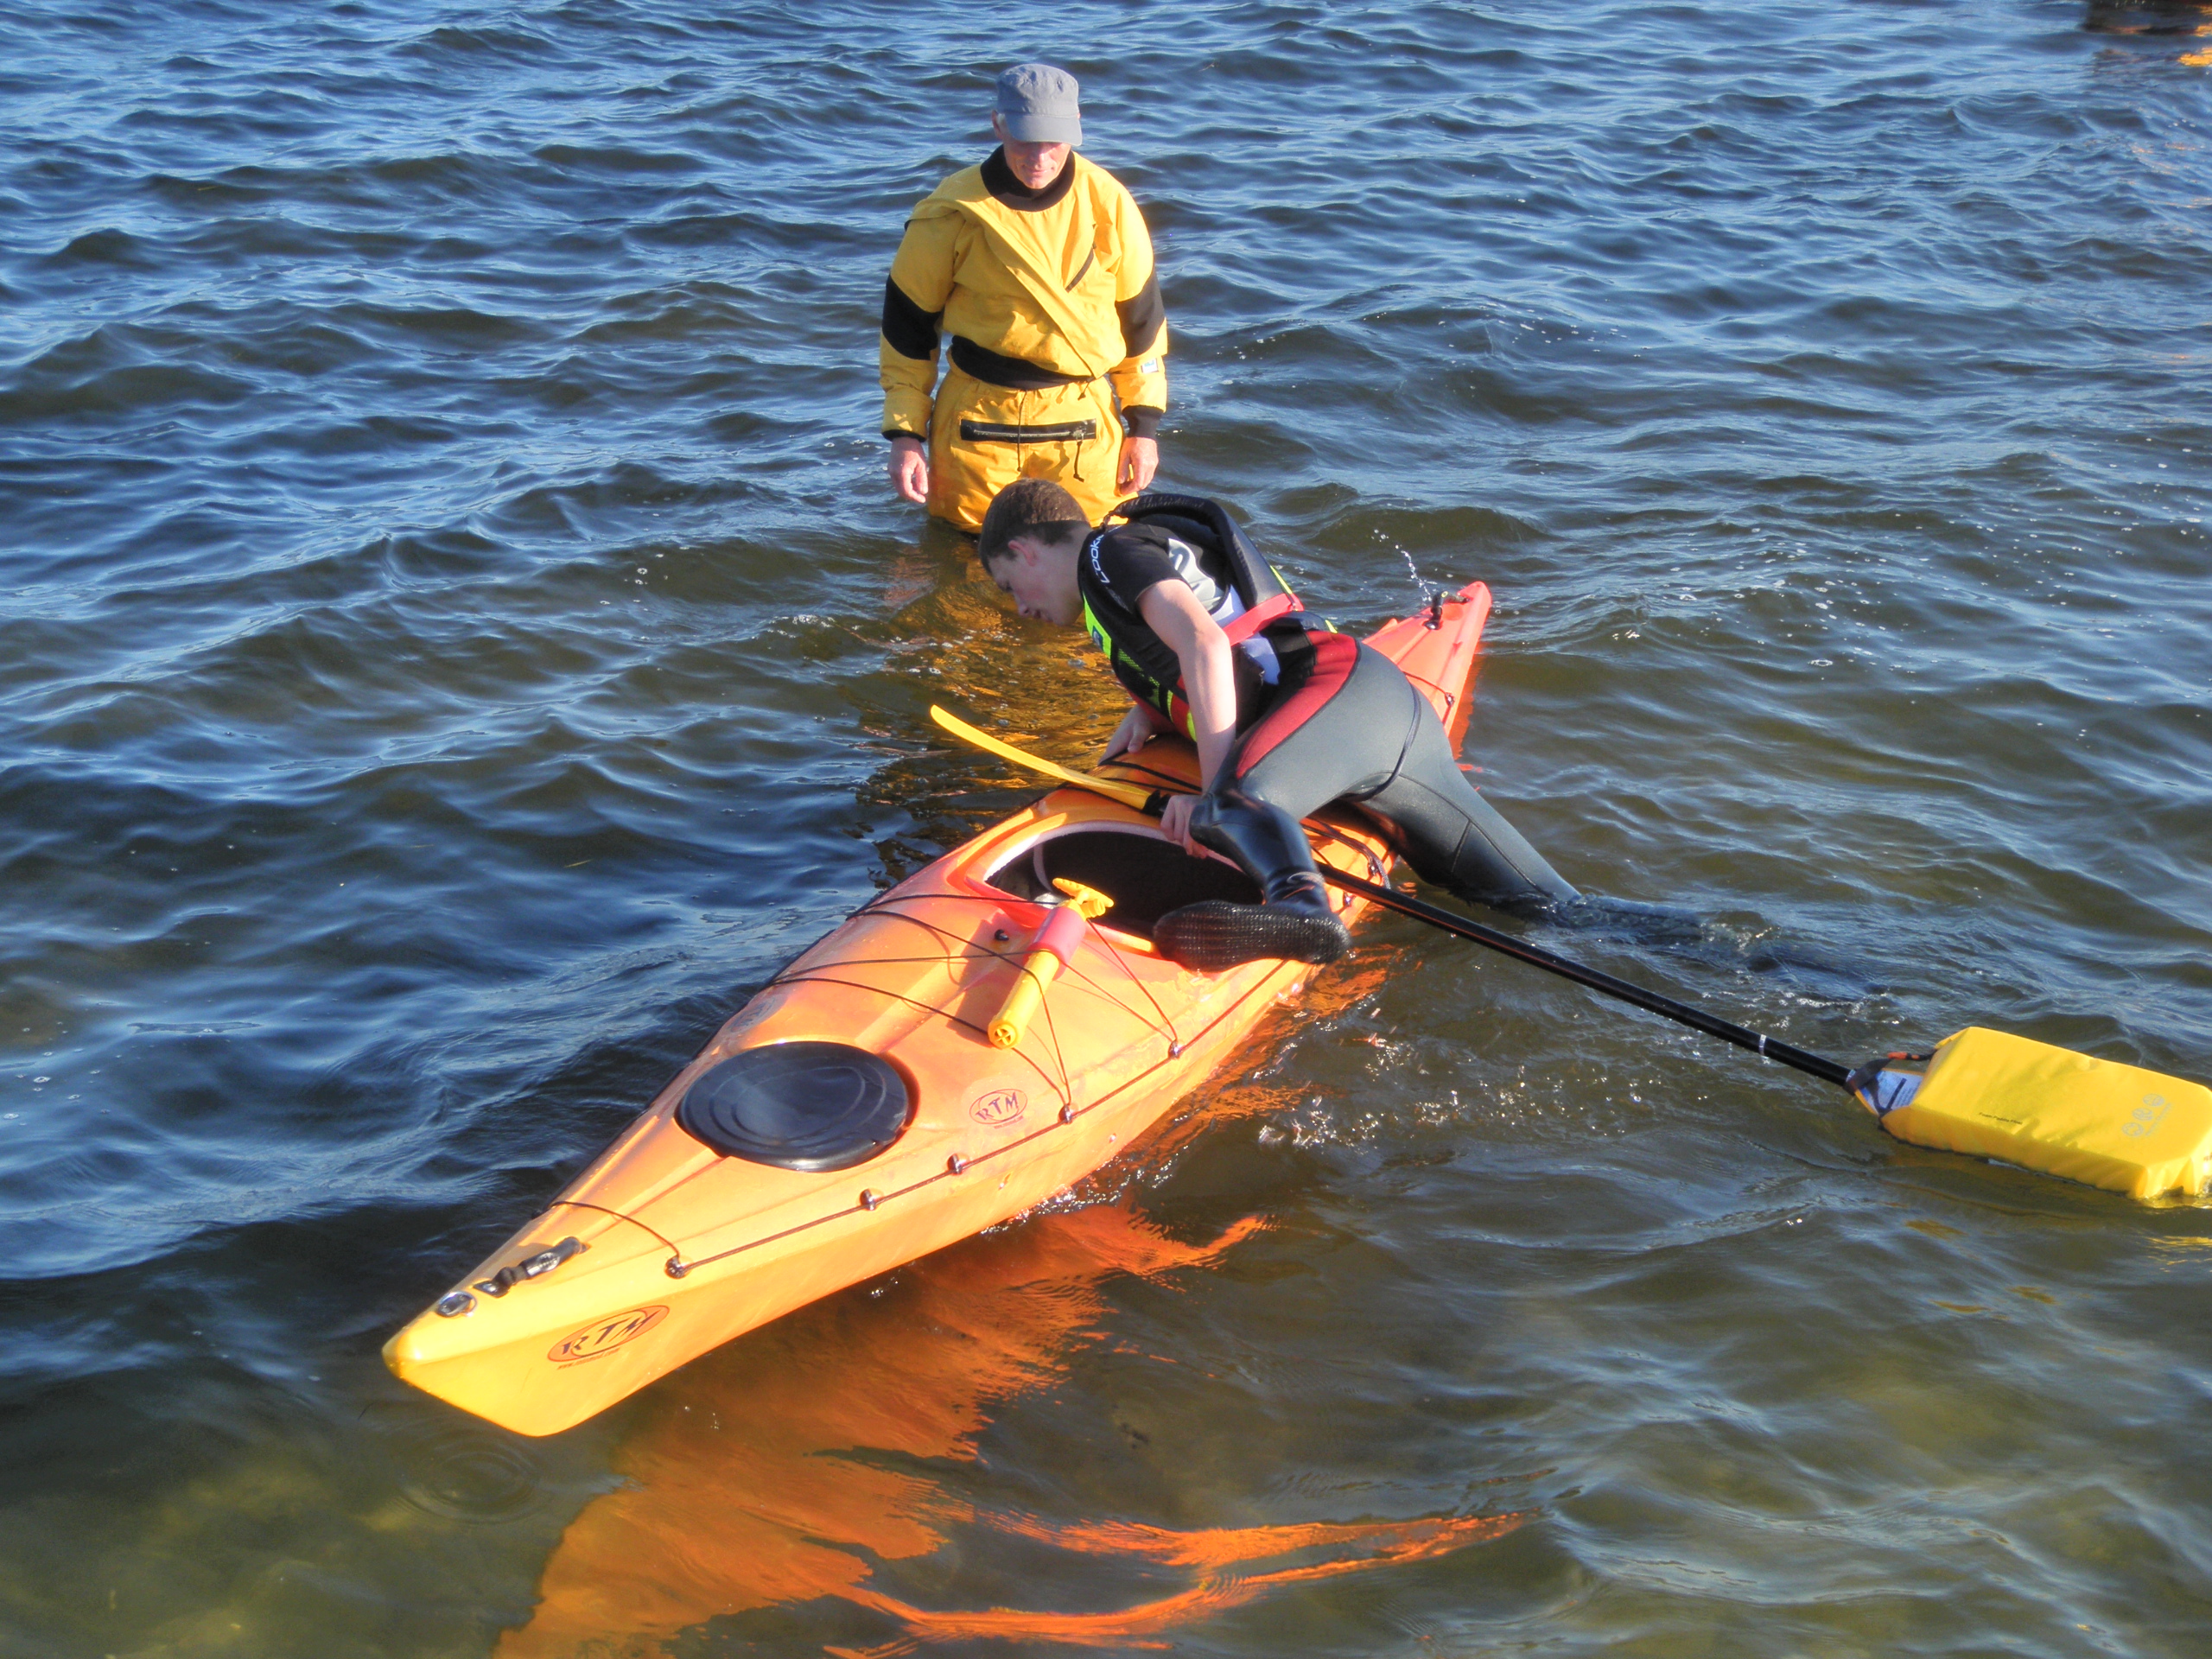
x=457 y=641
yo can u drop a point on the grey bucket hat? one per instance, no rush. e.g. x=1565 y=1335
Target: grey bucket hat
x=1037 y=102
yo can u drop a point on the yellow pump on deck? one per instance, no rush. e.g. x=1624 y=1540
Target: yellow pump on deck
x=1048 y=953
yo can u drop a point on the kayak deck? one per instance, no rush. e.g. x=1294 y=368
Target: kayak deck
x=664 y=1248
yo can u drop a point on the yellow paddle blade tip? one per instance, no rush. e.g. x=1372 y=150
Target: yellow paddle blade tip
x=2118 y=1126
x=1129 y=794
x=1092 y=903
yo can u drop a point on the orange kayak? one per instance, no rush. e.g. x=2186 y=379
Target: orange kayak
x=855 y=1114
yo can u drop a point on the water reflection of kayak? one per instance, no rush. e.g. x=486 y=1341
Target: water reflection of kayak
x=855 y=1115
x=792 y=1469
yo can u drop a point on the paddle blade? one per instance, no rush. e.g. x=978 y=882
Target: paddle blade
x=1129 y=794
x=1997 y=1096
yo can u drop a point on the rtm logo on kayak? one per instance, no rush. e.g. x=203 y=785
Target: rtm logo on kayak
x=1001 y=1107
x=605 y=1336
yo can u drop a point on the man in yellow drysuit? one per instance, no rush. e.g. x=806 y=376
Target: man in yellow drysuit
x=1038 y=263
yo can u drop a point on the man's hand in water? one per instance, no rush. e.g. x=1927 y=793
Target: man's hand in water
x=1139 y=461
x=910 y=469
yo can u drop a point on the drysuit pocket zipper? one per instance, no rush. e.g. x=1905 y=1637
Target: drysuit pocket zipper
x=1003 y=432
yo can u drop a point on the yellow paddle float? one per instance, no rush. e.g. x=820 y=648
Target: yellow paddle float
x=2097 y=1121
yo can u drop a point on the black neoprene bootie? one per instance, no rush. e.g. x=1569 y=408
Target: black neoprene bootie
x=1296 y=924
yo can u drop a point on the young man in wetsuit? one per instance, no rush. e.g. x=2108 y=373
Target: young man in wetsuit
x=1288 y=715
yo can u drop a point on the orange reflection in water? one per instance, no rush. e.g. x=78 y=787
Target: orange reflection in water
x=743 y=1491
x=1379 y=1543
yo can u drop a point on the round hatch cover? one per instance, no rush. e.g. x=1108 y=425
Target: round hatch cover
x=808 y=1106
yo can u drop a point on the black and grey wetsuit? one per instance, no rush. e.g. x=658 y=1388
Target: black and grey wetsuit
x=1320 y=718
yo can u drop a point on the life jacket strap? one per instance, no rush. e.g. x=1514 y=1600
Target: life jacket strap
x=1238 y=629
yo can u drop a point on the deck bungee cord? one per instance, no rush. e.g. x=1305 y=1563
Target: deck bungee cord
x=870 y=1200
x=1070 y=1110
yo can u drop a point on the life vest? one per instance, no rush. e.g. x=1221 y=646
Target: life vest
x=1144 y=662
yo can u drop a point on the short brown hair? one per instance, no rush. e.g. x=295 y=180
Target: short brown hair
x=1028 y=506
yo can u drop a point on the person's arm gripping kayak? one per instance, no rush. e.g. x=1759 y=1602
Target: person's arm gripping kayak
x=1173 y=613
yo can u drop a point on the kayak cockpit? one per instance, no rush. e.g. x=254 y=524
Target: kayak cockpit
x=1144 y=875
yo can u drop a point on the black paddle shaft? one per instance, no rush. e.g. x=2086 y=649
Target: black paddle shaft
x=1390 y=899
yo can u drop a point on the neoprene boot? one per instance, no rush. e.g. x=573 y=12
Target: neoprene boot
x=1295 y=920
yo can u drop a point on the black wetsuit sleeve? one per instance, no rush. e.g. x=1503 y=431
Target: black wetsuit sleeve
x=1143 y=420
x=911 y=331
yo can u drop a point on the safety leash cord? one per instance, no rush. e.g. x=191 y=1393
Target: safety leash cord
x=1063 y=1085
x=823 y=973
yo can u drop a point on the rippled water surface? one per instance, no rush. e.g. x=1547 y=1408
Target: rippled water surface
x=457 y=642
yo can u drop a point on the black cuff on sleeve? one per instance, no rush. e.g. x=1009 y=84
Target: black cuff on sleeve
x=894 y=432
x=910 y=330
x=1143 y=421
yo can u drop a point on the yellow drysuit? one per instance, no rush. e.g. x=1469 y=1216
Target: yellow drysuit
x=1055 y=312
